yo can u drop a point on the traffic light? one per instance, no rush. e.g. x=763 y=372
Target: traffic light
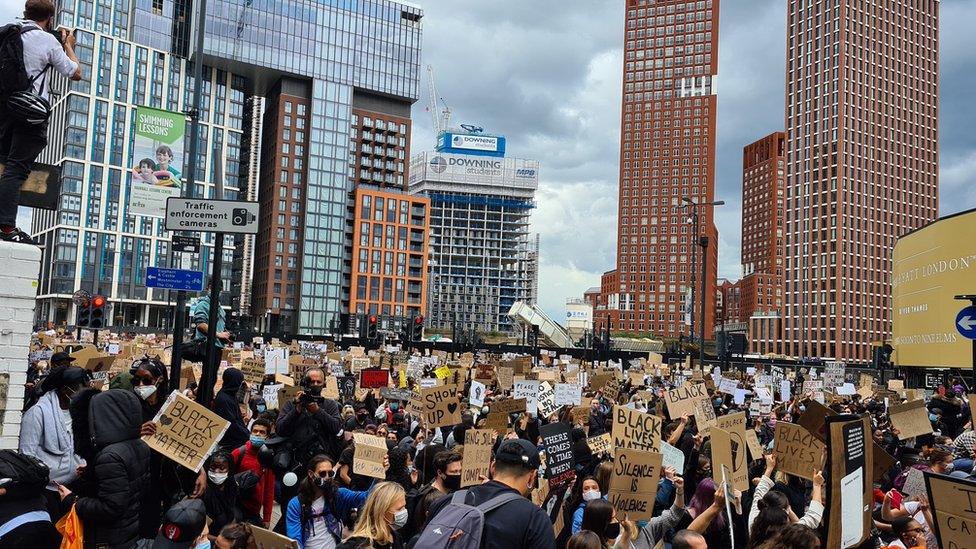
x=84 y=313
x=417 y=328
x=96 y=309
x=371 y=328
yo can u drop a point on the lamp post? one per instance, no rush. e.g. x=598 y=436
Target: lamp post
x=688 y=203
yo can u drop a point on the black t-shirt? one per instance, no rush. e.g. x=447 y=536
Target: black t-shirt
x=518 y=523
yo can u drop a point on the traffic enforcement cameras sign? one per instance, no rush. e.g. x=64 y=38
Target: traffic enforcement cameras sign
x=211 y=216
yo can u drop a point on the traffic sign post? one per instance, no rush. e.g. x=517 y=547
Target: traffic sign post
x=186 y=243
x=202 y=215
x=174 y=279
x=966 y=325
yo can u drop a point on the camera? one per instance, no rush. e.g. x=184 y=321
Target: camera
x=307 y=399
x=241 y=217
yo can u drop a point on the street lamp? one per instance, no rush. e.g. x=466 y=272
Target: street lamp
x=703 y=242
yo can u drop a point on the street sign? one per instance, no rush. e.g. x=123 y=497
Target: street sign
x=966 y=322
x=211 y=216
x=186 y=243
x=174 y=279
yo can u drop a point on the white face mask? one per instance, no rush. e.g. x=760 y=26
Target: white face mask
x=590 y=495
x=400 y=518
x=144 y=391
x=217 y=478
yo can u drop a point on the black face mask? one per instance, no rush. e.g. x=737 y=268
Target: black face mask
x=324 y=484
x=612 y=531
x=452 y=482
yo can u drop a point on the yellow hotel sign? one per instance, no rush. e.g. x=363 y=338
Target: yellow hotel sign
x=930 y=266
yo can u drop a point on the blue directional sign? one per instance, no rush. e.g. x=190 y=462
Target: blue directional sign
x=966 y=322
x=174 y=279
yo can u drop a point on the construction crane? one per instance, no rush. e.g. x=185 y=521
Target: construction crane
x=442 y=118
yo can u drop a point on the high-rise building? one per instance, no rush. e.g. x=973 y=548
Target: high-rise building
x=760 y=290
x=483 y=257
x=861 y=163
x=281 y=83
x=667 y=152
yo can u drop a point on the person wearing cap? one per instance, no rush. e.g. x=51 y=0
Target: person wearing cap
x=184 y=527
x=518 y=523
x=46 y=431
x=24 y=520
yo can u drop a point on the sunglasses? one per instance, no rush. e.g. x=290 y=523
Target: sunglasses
x=142 y=381
x=327 y=474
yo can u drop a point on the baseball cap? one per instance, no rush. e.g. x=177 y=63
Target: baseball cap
x=518 y=452
x=57 y=358
x=182 y=525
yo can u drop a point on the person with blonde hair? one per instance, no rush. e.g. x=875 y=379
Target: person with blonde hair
x=380 y=519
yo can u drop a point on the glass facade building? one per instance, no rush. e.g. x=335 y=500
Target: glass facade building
x=137 y=52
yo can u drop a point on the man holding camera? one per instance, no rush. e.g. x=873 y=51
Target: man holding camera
x=22 y=135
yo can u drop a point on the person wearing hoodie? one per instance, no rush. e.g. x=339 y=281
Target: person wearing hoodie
x=106 y=430
x=45 y=431
x=247 y=458
x=227 y=407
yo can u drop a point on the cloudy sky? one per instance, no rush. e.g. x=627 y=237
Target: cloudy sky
x=547 y=74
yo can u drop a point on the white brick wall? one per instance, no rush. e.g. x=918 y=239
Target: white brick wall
x=18 y=288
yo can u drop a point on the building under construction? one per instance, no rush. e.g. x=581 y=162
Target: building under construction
x=483 y=257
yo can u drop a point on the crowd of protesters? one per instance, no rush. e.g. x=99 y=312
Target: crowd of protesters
x=291 y=470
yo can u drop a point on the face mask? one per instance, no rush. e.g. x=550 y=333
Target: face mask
x=591 y=495
x=322 y=483
x=394 y=406
x=484 y=410
x=400 y=518
x=205 y=544
x=803 y=408
x=452 y=482
x=950 y=467
x=612 y=531
x=933 y=417
x=257 y=441
x=217 y=478
x=262 y=408
x=717 y=402
x=144 y=391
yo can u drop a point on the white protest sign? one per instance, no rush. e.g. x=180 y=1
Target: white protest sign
x=547 y=400
x=276 y=361
x=529 y=390
x=784 y=390
x=476 y=396
x=673 y=457
x=728 y=386
x=270 y=395
x=568 y=394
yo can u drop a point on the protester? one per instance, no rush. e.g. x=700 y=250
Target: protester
x=184 y=527
x=46 y=431
x=380 y=520
x=517 y=522
x=24 y=520
x=255 y=458
x=106 y=426
x=658 y=527
x=600 y=518
x=22 y=138
x=688 y=539
x=763 y=499
x=221 y=497
x=315 y=516
x=227 y=405
x=236 y=536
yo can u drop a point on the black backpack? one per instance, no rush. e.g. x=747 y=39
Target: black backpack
x=13 y=74
x=247 y=481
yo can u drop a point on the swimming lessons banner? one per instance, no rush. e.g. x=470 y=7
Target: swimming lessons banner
x=157 y=157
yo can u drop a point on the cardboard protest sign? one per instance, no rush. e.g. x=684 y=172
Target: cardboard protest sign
x=440 y=406
x=704 y=414
x=580 y=414
x=683 y=400
x=270 y=395
x=568 y=394
x=896 y=384
x=368 y=455
x=529 y=390
x=911 y=419
x=633 y=485
x=850 y=494
x=266 y=539
x=600 y=443
x=797 y=451
x=357 y=365
x=476 y=395
x=390 y=393
x=722 y=456
x=755 y=448
x=557 y=441
x=547 y=400
x=476 y=456
x=814 y=418
x=507 y=406
x=186 y=432
x=634 y=430
x=673 y=457
x=497 y=421
x=506 y=378
x=914 y=483
x=951 y=502
x=374 y=378
x=735 y=426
